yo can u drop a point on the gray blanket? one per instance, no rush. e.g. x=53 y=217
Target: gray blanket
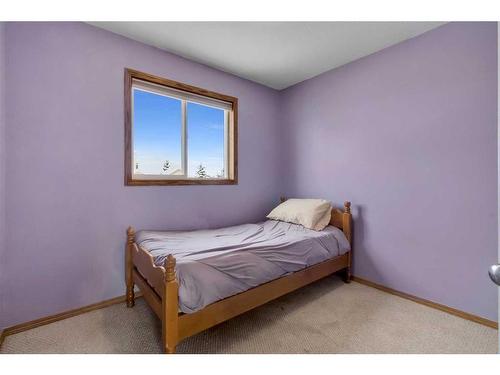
x=217 y=263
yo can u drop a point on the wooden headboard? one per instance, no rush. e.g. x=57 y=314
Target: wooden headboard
x=341 y=219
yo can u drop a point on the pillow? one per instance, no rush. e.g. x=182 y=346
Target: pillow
x=311 y=213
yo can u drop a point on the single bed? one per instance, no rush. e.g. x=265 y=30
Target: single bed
x=194 y=280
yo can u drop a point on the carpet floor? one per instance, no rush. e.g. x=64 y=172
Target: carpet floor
x=325 y=317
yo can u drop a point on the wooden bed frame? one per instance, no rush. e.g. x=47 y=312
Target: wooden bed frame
x=159 y=287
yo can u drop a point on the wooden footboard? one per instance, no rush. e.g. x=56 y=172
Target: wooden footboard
x=159 y=287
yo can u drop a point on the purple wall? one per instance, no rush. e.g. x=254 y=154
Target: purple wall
x=68 y=207
x=409 y=134
x=2 y=166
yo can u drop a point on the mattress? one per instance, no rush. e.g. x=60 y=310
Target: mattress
x=214 y=264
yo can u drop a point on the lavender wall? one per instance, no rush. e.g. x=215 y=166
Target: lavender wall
x=68 y=207
x=2 y=166
x=409 y=134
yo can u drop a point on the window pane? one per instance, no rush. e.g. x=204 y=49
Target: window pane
x=205 y=131
x=157 y=134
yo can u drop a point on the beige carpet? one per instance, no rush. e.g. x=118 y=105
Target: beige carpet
x=326 y=317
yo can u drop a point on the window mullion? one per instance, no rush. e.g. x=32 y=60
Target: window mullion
x=184 y=139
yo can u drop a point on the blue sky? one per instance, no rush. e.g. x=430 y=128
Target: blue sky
x=157 y=135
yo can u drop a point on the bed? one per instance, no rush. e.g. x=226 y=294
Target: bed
x=194 y=280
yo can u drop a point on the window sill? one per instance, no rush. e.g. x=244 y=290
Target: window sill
x=194 y=181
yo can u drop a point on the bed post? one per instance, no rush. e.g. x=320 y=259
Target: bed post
x=129 y=266
x=346 y=228
x=170 y=307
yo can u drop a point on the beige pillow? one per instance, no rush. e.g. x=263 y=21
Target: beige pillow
x=310 y=213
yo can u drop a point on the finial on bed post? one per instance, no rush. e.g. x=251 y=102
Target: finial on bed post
x=129 y=266
x=170 y=268
x=347 y=207
x=130 y=235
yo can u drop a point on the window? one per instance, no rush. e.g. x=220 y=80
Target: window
x=176 y=134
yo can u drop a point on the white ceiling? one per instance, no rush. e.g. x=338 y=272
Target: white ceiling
x=275 y=54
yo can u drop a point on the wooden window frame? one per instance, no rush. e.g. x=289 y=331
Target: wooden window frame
x=232 y=142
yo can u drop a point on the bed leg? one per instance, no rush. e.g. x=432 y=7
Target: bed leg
x=346 y=276
x=170 y=307
x=129 y=266
x=346 y=273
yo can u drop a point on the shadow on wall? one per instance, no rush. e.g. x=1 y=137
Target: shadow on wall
x=359 y=241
